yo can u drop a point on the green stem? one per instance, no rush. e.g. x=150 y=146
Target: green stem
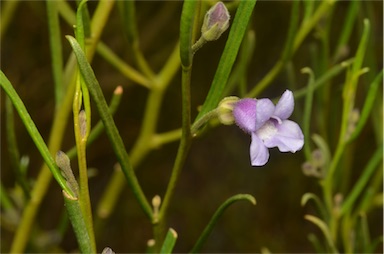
x=76 y=217
x=56 y=49
x=99 y=127
x=181 y=156
x=363 y=180
x=122 y=66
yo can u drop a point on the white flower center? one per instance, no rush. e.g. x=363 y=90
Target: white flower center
x=267 y=131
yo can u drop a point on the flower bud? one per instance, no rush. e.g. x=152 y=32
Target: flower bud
x=216 y=22
x=225 y=109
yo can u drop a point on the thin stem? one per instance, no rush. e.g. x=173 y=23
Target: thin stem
x=76 y=217
x=181 y=156
x=122 y=66
x=216 y=216
x=81 y=141
x=56 y=49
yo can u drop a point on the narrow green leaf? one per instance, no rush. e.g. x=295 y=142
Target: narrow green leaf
x=359 y=58
x=109 y=124
x=293 y=25
x=186 y=30
x=320 y=206
x=56 y=50
x=33 y=132
x=308 y=111
x=347 y=28
x=324 y=228
x=363 y=180
x=128 y=19
x=331 y=73
x=169 y=242
x=236 y=34
x=208 y=229
x=368 y=105
x=78 y=224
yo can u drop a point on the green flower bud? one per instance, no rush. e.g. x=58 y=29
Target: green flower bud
x=216 y=21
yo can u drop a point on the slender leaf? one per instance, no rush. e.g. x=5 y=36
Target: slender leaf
x=186 y=29
x=368 y=105
x=363 y=180
x=324 y=228
x=56 y=50
x=169 y=242
x=77 y=220
x=33 y=132
x=208 y=229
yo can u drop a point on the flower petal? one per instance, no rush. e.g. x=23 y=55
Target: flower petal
x=245 y=114
x=288 y=138
x=284 y=107
x=264 y=111
x=259 y=152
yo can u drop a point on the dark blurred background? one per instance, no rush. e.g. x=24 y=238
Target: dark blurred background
x=218 y=165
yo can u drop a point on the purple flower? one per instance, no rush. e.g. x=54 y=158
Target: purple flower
x=268 y=126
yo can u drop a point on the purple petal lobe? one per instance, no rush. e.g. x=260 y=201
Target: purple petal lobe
x=258 y=152
x=284 y=107
x=264 y=111
x=288 y=137
x=245 y=114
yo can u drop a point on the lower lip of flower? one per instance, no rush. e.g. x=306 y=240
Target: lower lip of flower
x=267 y=131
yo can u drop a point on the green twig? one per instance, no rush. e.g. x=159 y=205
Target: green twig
x=78 y=223
x=363 y=180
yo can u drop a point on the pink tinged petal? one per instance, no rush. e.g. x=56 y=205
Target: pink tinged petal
x=244 y=113
x=284 y=107
x=258 y=152
x=264 y=111
x=288 y=137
